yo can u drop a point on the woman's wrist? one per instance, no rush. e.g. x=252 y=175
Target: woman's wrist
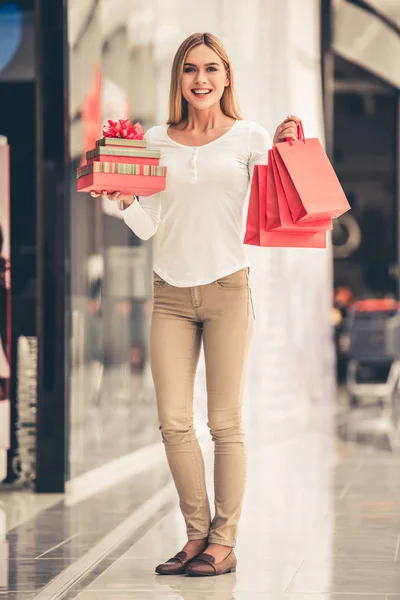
x=126 y=202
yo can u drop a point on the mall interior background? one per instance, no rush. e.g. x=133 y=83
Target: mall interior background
x=111 y=59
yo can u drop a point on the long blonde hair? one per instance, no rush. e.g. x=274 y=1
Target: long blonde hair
x=178 y=106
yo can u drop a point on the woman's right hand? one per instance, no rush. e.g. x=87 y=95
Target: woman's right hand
x=127 y=200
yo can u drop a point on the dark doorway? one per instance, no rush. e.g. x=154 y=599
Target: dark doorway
x=365 y=240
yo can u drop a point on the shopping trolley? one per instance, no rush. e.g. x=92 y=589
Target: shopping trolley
x=373 y=370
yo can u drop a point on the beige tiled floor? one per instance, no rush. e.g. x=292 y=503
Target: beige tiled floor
x=321 y=521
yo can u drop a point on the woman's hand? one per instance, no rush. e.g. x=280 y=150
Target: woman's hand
x=287 y=129
x=127 y=200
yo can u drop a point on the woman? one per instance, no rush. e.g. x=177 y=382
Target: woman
x=201 y=289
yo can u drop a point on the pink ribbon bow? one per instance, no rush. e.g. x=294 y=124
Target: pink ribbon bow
x=123 y=129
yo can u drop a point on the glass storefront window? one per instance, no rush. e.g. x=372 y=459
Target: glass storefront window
x=112 y=408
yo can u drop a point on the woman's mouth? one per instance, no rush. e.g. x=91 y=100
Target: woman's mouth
x=201 y=92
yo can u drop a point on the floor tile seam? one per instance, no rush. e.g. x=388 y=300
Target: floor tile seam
x=344 y=491
x=331 y=595
x=59 y=586
x=358 y=562
x=294 y=577
x=57 y=546
x=372 y=560
x=396 y=554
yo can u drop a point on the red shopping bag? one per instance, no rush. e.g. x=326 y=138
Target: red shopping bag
x=278 y=215
x=256 y=234
x=311 y=186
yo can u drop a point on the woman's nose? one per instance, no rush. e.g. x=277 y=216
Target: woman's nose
x=201 y=77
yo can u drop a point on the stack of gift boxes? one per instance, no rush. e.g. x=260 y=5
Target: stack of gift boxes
x=123 y=165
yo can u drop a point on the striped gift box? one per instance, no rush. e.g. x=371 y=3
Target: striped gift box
x=106 y=141
x=131 y=152
x=122 y=169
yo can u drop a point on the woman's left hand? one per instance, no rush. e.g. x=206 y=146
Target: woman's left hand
x=287 y=129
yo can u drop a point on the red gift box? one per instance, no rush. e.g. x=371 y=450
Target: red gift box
x=141 y=185
x=121 y=162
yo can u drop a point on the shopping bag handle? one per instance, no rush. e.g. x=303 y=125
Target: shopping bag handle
x=300 y=134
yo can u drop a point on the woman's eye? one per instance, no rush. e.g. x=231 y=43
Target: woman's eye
x=191 y=69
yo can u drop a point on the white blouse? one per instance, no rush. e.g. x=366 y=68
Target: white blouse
x=200 y=216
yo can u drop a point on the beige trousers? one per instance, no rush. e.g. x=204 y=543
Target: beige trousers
x=219 y=315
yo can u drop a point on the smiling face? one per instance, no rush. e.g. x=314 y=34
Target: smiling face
x=204 y=78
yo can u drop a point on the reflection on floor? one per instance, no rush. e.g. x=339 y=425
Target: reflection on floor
x=375 y=422
x=321 y=521
x=18 y=506
x=119 y=406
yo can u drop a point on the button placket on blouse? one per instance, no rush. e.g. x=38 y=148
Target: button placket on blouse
x=193 y=164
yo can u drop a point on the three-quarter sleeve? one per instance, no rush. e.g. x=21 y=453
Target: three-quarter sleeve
x=144 y=214
x=259 y=144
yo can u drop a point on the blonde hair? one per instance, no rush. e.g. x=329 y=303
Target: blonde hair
x=178 y=106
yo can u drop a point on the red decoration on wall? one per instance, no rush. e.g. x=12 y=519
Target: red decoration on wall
x=91 y=114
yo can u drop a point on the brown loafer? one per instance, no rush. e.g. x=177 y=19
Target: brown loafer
x=204 y=565
x=174 y=566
